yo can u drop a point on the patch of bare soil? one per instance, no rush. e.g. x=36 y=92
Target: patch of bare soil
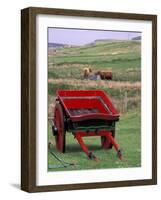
x=91 y=83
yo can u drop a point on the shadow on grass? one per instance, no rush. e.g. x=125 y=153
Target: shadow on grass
x=76 y=148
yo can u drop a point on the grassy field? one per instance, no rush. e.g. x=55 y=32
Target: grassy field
x=128 y=136
x=123 y=57
x=65 y=71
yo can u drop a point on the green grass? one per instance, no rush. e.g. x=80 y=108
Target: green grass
x=119 y=75
x=119 y=56
x=122 y=57
x=128 y=135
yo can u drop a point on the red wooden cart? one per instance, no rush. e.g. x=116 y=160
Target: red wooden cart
x=85 y=113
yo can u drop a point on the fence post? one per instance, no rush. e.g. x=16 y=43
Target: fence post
x=125 y=101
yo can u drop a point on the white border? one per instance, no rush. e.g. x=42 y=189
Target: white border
x=43 y=177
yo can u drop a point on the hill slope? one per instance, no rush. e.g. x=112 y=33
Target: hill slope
x=122 y=57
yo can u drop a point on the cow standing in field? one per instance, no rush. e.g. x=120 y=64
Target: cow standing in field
x=105 y=75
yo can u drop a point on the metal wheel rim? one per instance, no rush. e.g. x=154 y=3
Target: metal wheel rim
x=59 y=123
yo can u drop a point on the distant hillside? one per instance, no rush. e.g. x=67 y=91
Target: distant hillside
x=137 y=38
x=122 y=57
x=56 y=45
x=101 y=41
x=59 y=45
x=113 y=54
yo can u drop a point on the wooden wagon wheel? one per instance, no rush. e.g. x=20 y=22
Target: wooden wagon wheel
x=105 y=143
x=59 y=123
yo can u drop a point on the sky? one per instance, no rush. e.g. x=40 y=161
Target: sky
x=81 y=37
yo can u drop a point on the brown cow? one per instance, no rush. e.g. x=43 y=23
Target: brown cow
x=105 y=75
